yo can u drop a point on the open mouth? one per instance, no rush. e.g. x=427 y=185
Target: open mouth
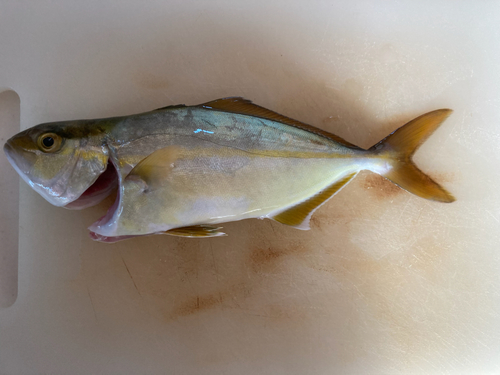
x=105 y=184
x=105 y=222
x=100 y=189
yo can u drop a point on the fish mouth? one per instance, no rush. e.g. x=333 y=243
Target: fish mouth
x=100 y=189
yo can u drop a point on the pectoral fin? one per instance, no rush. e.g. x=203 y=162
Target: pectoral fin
x=197 y=231
x=154 y=169
x=298 y=216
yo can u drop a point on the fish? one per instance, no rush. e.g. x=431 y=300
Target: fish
x=183 y=170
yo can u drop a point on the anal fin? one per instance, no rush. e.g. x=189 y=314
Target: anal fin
x=196 y=231
x=299 y=215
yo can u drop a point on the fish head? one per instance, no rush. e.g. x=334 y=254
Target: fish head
x=61 y=161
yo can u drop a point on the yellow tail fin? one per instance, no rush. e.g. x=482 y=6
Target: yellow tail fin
x=400 y=146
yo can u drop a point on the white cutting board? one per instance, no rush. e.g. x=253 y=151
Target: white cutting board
x=385 y=282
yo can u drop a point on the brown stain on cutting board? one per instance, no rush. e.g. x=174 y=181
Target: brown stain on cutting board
x=381 y=187
x=220 y=299
x=263 y=257
x=390 y=287
x=197 y=304
x=243 y=283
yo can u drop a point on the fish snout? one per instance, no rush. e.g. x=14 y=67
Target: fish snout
x=21 y=160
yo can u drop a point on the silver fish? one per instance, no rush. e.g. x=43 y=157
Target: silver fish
x=183 y=170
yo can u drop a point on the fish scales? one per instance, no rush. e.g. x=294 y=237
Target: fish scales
x=232 y=165
x=183 y=170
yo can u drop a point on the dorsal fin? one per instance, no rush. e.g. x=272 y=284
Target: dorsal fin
x=299 y=215
x=171 y=107
x=246 y=107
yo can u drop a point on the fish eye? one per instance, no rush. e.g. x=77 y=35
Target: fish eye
x=49 y=142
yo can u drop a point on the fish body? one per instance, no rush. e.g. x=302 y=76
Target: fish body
x=183 y=170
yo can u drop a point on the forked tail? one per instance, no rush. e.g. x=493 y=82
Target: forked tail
x=398 y=148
